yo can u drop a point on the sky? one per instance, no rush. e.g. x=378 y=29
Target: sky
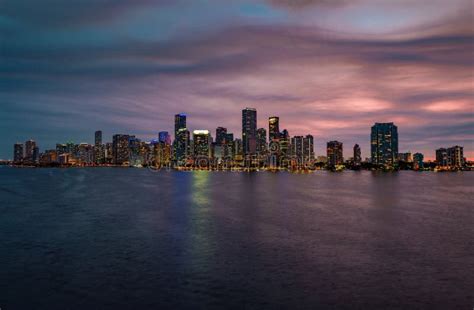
x=330 y=68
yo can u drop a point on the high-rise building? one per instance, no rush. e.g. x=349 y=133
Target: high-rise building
x=334 y=153
x=273 y=128
x=98 y=138
x=18 y=153
x=30 y=146
x=384 y=144
x=221 y=135
x=201 y=143
x=182 y=146
x=442 y=157
x=164 y=137
x=249 y=130
x=456 y=156
x=418 y=161
x=308 y=147
x=261 y=141
x=120 y=149
x=99 y=156
x=357 y=155
x=284 y=142
x=85 y=153
x=179 y=123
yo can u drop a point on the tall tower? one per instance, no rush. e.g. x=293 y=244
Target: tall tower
x=221 y=135
x=357 y=155
x=384 y=144
x=18 y=153
x=274 y=128
x=179 y=123
x=334 y=153
x=98 y=138
x=249 y=130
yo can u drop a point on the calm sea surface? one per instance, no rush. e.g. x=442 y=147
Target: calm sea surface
x=113 y=238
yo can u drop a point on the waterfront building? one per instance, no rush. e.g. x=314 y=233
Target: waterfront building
x=334 y=153
x=221 y=135
x=249 y=130
x=357 y=158
x=182 y=146
x=418 y=161
x=406 y=157
x=455 y=156
x=30 y=153
x=164 y=137
x=273 y=128
x=384 y=144
x=261 y=141
x=179 y=123
x=120 y=152
x=18 y=153
x=99 y=157
x=201 y=143
x=442 y=157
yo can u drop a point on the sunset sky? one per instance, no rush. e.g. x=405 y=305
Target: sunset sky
x=330 y=68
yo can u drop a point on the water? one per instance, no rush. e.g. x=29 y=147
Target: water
x=112 y=238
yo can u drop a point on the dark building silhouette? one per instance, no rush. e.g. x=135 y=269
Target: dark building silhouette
x=334 y=153
x=384 y=144
x=249 y=130
x=357 y=155
x=18 y=153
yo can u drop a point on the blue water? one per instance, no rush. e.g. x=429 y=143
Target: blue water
x=117 y=238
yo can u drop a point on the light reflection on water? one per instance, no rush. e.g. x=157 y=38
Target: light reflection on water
x=115 y=238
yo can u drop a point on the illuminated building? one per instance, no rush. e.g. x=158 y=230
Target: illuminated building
x=357 y=155
x=308 y=147
x=85 y=153
x=442 y=157
x=182 y=146
x=99 y=157
x=221 y=135
x=384 y=144
x=30 y=153
x=201 y=143
x=418 y=161
x=61 y=148
x=164 y=137
x=249 y=130
x=284 y=142
x=49 y=157
x=456 y=156
x=18 y=153
x=179 y=123
x=120 y=153
x=406 y=157
x=273 y=128
x=302 y=148
x=238 y=149
x=334 y=153
x=261 y=141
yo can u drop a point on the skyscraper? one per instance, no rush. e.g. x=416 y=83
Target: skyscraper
x=442 y=157
x=456 y=156
x=221 y=135
x=273 y=128
x=18 y=153
x=308 y=147
x=99 y=153
x=201 y=143
x=384 y=144
x=261 y=141
x=334 y=153
x=284 y=142
x=98 y=138
x=182 y=146
x=120 y=149
x=357 y=155
x=30 y=146
x=249 y=130
x=179 y=123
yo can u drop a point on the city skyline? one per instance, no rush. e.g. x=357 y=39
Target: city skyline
x=180 y=128
x=328 y=68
